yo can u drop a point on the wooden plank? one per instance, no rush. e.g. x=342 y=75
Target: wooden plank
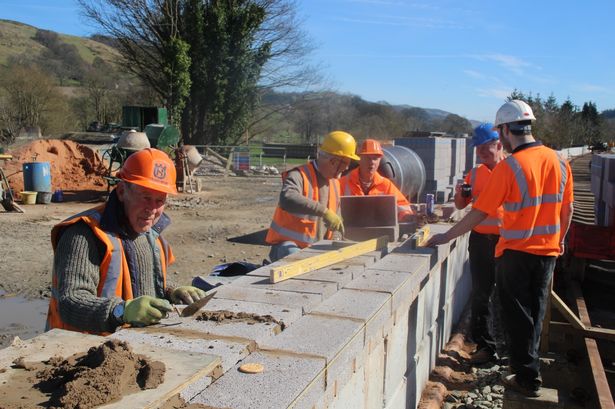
x=328 y=258
x=601 y=383
x=181 y=367
x=567 y=312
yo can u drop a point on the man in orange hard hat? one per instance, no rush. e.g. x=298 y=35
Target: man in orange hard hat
x=366 y=181
x=308 y=208
x=534 y=186
x=110 y=262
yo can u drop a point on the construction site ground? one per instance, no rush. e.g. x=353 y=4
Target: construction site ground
x=223 y=223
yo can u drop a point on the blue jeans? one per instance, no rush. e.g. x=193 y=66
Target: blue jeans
x=523 y=284
x=282 y=250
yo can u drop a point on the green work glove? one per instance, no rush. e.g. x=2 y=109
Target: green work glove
x=333 y=221
x=145 y=310
x=186 y=294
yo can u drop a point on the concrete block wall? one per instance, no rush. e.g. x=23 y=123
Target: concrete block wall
x=359 y=334
x=603 y=188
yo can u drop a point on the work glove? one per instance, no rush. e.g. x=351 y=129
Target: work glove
x=186 y=294
x=145 y=310
x=333 y=221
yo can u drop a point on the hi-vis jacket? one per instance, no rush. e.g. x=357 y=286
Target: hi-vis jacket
x=477 y=178
x=532 y=184
x=303 y=228
x=114 y=273
x=351 y=186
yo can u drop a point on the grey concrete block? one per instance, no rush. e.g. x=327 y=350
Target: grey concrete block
x=369 y=211
x=372 y=232
x=282 y=382
x=305 y=301
x=322 y=288
x=230 y=351
x=337 y=340
x=371 y=307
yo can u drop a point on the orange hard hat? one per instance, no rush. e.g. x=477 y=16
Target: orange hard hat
x=371 y=147
x=150 y=168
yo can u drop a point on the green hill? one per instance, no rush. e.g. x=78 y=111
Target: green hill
x=17 y=39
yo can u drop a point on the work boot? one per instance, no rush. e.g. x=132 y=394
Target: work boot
x=482 y=356
x=510 y=381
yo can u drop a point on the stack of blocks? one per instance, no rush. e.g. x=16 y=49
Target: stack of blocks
x=444 y=160
x=603 y=188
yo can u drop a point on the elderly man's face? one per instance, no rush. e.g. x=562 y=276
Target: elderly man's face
x=369 y=164
x=142 y=206
x=333 y=166
x=490 y=153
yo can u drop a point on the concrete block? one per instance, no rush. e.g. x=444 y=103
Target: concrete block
x=396 y=355
x=322 y=288
x=285 y=298
x=371 y=307
x=281 y=383
x=374 y=374
x=230 y=351
x=402 y=259
x=351 y=395
x=398 y=398
x=337 y=340
x=369 y=211
x=372 y=232
x=549 y=399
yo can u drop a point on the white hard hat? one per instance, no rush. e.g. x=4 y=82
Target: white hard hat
x=513 y=111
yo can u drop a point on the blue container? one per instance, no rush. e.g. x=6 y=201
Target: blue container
x=37 y=177
x=429 y=203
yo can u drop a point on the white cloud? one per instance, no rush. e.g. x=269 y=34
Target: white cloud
x=593 y=88
x=499 y=93
x=474 y=74
x=509 y=62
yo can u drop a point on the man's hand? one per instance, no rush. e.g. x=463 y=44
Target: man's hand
x=186 y=294
x=437 y=239
x=333 y=221
x=145 y=310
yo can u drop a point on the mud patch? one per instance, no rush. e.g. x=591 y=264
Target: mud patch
x=249 y=318
x=104 y=374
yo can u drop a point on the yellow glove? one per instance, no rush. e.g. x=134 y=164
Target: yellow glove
x=145 y=310
x=186 y=294
x=333 y=221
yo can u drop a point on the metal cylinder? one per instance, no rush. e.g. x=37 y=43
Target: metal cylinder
x=405 y=169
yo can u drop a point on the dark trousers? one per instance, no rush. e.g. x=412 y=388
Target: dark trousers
x=481 y=250
x=523 y=285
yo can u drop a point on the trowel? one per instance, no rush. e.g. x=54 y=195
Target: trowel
x=191 y=309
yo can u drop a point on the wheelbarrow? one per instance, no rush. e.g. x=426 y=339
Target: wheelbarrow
x=6 y=194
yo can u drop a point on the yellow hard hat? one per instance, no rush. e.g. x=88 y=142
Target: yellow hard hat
x=340 y=143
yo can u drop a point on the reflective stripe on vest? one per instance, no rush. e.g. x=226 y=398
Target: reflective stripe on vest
x=523 y=188
x=293 y=235
x=489 y=221
x=532 y=201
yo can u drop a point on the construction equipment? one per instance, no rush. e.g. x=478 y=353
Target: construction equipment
x=6 y=194
x=296 y=268
x=197 y=305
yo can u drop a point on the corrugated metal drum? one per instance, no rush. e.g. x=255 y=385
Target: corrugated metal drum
x=404 y=167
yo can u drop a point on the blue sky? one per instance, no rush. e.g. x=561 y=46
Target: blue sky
x=462 y=57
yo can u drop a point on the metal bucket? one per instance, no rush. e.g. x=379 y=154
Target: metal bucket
x=405 y=169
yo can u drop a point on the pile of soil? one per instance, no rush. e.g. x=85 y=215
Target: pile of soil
x=74 y=167
x=103 y=375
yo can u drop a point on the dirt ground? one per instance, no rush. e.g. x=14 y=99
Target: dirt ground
x=225 y=222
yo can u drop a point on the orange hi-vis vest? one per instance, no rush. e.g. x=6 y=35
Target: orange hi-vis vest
x=531 y=185
x=351 y=186
x=477 y=178
x=114 y=273
x=302 y=228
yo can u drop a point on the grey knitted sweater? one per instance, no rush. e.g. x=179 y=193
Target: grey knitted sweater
x=78 y=255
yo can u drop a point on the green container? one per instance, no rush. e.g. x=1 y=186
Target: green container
x=139 y=117
x=162 y=136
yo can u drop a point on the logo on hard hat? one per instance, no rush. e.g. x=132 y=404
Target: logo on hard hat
x=160 y=171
